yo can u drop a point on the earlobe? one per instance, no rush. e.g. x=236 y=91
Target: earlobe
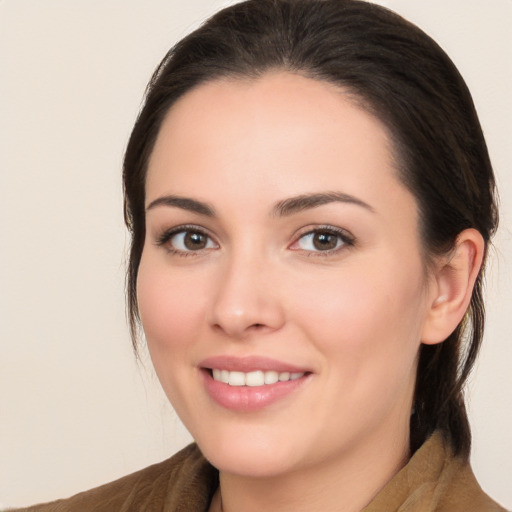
x=452 y=285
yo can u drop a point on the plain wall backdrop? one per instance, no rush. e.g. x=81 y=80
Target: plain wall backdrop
x=75 y=408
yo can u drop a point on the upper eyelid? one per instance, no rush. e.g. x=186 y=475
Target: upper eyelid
x=167 y=234
x=323 y=227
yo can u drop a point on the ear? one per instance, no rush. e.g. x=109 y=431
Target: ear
x=451 y=286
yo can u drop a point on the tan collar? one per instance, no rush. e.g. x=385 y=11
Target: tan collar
x=433 y=480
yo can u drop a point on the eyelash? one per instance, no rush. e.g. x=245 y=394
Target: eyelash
x=346 y=239
x=164 y=239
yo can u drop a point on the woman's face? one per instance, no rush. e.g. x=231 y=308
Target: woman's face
x=281 y=287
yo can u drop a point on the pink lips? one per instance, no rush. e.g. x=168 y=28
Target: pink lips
x=247 y=398
x=249 y=364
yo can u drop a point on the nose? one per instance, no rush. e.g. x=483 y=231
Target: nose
x=246 y=300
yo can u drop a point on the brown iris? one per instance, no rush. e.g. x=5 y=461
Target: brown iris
x=195 y=241
x=325 y=241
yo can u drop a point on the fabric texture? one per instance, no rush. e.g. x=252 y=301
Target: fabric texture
x=432 y=481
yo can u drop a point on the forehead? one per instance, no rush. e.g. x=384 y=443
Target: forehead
x=278 y=135
x=295 y=104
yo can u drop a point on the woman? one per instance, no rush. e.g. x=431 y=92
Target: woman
x=310 y=200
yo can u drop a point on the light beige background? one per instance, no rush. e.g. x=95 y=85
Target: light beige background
x=76 y=411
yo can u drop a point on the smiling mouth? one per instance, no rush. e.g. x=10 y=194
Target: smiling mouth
x=253 y=378
x=251 y=384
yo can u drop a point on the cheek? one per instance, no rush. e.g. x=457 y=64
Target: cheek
x=366 y=320
x=170 y=307
x=367 y=329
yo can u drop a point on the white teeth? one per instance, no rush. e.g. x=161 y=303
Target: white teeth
x=236 y=379
x=271 y=377
x=255 y=378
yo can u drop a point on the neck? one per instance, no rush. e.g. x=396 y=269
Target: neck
x=345 y=483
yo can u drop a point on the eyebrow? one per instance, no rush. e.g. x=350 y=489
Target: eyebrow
x=282 y=208
x=307 y=201
x=185 y=203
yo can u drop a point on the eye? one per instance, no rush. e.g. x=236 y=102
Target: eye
x=323 y=240
x=186 y=240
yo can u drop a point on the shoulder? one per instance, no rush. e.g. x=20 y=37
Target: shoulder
x=463 y=492
x=434 y=480
x=185 y=482
x=456 y=487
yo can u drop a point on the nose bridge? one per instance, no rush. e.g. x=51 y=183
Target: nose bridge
x=245 y=298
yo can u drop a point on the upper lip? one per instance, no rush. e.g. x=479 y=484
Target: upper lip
x=249 y=364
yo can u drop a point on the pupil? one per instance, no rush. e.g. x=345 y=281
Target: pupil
x=195 y=241
x=324 y=241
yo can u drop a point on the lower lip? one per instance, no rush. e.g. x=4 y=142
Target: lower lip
x=248 y=398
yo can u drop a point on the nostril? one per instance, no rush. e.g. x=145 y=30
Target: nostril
x=257 y=327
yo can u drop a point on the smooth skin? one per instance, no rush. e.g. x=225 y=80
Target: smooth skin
x=234 y=267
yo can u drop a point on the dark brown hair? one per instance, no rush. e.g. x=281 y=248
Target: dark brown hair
x=406 y=80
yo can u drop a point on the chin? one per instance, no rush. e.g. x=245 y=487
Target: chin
x=249 y=456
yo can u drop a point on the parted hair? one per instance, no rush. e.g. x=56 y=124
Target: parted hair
x=400 y=75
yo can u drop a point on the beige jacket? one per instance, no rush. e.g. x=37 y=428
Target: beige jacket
x=433 y=480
